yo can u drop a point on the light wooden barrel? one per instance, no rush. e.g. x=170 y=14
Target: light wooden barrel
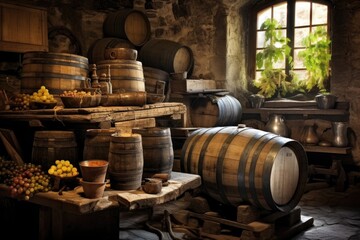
x=97 y=50
x=211 y=111
x=97 y=143
x=49 y=146
x=57 y=71
x=129 y=24
x=167 y=55
x=158 y=150
x=246 y=165
x=126 y=75
x=126 y=162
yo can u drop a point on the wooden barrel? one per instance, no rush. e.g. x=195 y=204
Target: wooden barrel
x=49 y=146
x=97 y=50
x=211 y=111
x=126 y=75
x=152 y=76
x=97 y=143
x=167 y=55
x=245 y=165
x=158 y=150
x=126 y=162
x=130 y=24
x=57 y=71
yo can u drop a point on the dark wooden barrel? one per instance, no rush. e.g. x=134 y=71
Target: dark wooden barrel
x=158 y=150
x=126 y=162
x=57 y=71
x=96 y=51
x=167 y=55
x=49 y=146
x=126 y=75
x=130 y=24
x=245 y=165
x=212 y=110
x=97 y=143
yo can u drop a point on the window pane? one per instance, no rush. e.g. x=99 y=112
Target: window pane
x=298 y=63
x=301 y=74
x=320 y=13
x=262 y=16
x=302 y=14
x=280 y=13
x=260 y=39
x=300 y=33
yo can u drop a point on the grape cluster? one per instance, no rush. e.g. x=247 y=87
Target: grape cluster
x=63 y=168
x=27 y=179
x=42 y=95
x=20 y=101
x=75 y=93
x=6 y=168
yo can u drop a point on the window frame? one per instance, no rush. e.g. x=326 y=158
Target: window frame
x=290 y=32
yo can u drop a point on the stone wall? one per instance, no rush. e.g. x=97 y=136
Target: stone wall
x=216 y=31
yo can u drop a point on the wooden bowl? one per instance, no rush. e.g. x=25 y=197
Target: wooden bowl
x=154 y=98
x=81 y=101
x=42 y=105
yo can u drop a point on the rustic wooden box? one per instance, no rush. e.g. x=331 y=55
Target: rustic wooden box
x=192 y=85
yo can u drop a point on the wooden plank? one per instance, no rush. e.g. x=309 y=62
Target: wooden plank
x=334 y=150
x=178 y=184
x=137 y=123
x=192 y=85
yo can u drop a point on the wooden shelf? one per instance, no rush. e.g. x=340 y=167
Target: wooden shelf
x=297 y=113
x=332 y=150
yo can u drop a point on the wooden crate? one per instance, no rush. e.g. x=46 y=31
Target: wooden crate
x=192 y=85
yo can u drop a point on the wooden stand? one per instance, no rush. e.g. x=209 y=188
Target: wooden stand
x=250 y=223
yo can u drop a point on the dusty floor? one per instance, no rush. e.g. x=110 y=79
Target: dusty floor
x=336 y=216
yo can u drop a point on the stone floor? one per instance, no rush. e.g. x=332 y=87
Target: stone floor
x=336 y=216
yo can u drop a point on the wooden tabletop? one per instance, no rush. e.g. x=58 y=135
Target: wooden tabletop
x=74 y=201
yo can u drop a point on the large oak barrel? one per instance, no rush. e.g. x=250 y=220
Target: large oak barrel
x=158 y=150
x=129 y=24
x=245 y=165
x=126 y=162
x=126 y=75
x=49 y=146
x=167 y=55
x=57 y=71
x=97 y=50
x=97 y=143
x=212 y=110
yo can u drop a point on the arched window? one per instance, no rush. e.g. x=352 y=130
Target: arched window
x=294 y=20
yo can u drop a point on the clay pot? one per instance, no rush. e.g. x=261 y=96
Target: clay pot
x=94 y=170
x=93 y=189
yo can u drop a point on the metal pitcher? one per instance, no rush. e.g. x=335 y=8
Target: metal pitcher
x=340 y=134
x=276 y=124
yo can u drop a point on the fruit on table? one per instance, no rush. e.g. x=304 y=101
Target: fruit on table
x=42 y=95
x=25 y=180
x=63 y=168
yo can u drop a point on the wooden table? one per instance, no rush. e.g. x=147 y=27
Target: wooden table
x=99 y=117
x=336 y=168
x=71 y=215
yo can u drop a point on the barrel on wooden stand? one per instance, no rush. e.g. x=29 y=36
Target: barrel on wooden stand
x=212 y=111
x=126 y=162
x=158 y=150
x=167 y=55
x=244 y=165
x=97 y=143
x=126 y=75
x=57 y=71
x=130 y=24
x=49 y=146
